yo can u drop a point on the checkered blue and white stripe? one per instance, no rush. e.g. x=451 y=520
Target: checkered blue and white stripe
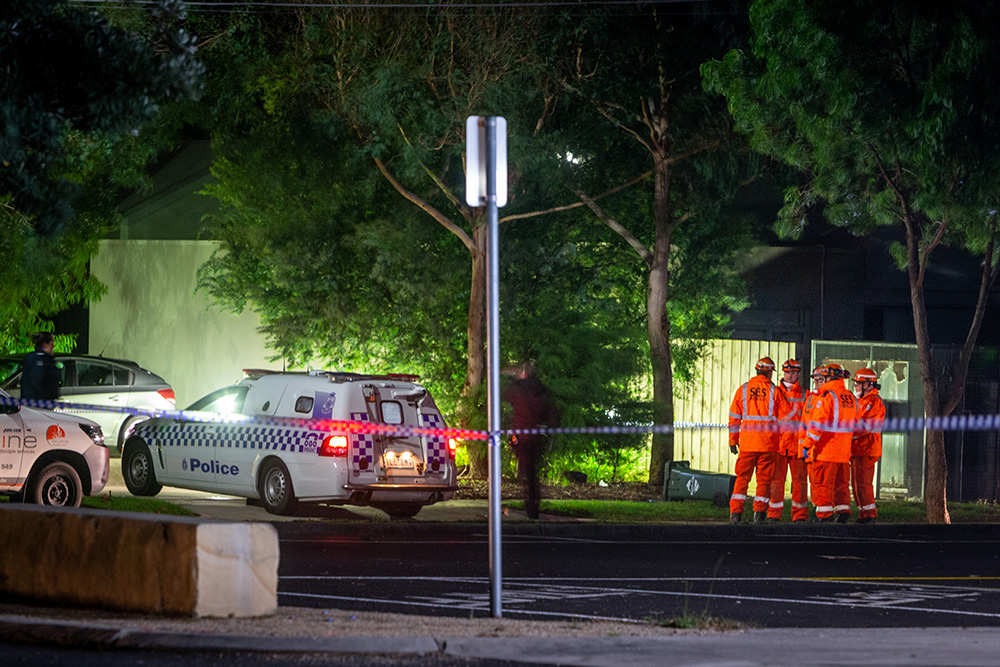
x=437 y=445
x=233 y=436
x=362 y=444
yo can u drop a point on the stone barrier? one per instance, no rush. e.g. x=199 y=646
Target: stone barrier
x=135 y=562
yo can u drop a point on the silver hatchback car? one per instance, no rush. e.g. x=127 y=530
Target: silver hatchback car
x=99 y=381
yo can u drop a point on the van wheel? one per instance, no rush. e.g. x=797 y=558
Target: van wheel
x=399 y=510
x=137 y=469
x=275 y=488
x=720 y=499
x=57 y=484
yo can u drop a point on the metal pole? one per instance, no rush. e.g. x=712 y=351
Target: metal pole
x=493 y=349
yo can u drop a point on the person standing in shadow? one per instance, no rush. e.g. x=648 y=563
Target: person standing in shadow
x=39 y=375
x=532 y=409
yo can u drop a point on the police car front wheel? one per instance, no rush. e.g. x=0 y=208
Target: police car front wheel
x=137 y=469
x=57 y=484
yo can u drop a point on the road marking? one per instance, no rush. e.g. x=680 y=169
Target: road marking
x=545 y=590
x=452 y=606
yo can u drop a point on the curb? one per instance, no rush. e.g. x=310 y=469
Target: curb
x=81 y=635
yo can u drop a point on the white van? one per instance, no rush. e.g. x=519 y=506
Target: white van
x=240 y=450
x=50 y=458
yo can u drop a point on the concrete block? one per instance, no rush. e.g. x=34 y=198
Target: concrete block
x=136 y=562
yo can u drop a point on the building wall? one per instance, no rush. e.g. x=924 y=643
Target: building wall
x=726 y=366
x=153 y=315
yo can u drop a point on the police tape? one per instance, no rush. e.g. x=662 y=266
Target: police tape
x=892 y=425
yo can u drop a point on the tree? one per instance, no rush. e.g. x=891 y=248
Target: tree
x=341 y=161
x=888 y=110
x=658 y=116
x=74 y=91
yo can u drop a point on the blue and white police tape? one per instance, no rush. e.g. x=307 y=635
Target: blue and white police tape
x=893 y=425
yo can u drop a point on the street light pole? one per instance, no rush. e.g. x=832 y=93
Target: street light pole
x=493 y=348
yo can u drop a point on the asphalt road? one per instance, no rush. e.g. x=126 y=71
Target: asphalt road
x=841 y=576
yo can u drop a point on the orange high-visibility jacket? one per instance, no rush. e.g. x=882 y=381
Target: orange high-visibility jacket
x=812 y=398
x=868 y=430
x=789 y=442
x=831 y=424
x=754 y=414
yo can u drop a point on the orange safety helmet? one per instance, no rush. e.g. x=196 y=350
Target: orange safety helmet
x=865 y=375
x=830 y=371
x=765 y=364
x=791 y=365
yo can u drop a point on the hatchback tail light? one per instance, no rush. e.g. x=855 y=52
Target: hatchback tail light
x=334 y=445
x=168 y=394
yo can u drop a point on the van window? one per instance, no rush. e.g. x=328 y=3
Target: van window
x=392 y=412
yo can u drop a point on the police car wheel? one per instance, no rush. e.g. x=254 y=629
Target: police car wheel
x=126 y=431
x=400 y=510
x=275 y=488
x=57 y=484
x=137 y=469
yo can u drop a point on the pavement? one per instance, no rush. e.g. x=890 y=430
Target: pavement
x=499 y=639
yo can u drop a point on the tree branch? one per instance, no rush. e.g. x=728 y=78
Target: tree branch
x=556 y=209
x=427 y=208
x=986 y=280
x=637 y=245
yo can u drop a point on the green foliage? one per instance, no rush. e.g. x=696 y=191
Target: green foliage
x=75 y=91
x=901 y=121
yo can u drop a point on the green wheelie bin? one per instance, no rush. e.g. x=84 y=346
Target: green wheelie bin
x=681 y=482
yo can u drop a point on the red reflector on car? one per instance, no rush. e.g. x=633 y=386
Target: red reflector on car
x=334 y=445
x=167 y=394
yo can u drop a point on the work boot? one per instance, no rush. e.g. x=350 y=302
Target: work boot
x=800 y=520
x=866 y=519
x=823 y=519
x=843 y=518
x=759 y=517
x=735 y=517
x=773 y=520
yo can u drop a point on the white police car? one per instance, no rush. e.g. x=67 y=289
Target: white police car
x=50 y=458
x=246 y=448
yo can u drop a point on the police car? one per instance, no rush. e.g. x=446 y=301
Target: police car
x=274 y=437
x=50 y=458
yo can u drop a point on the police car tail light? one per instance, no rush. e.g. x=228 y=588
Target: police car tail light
x=168 y=394
x=452 y=446
x=334 y=445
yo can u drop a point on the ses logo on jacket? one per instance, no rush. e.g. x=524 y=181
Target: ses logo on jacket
x=209 y=467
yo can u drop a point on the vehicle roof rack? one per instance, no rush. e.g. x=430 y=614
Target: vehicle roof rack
x=346 y=376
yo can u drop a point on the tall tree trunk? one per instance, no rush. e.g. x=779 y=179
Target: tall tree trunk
x=658 y=324
x=935 y=491
x=475 y=373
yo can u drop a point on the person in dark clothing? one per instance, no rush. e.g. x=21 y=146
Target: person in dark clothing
x=532 y=408
x=39 y=375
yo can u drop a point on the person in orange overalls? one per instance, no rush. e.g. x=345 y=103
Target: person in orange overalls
x=866 y=448
x=828 y=441
x=817 y=380
x=789 y=456
x=753 y=436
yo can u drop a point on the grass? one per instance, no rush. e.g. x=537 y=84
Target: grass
x=703 y=511
x=129 y=504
